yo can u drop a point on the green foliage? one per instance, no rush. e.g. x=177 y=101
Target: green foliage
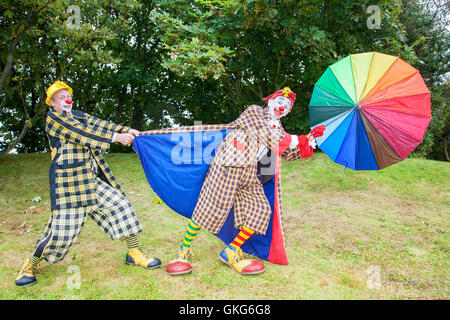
x=172 y=62
x=46 y=48
x=290 y=43
x=436 y=140
x=426 y=26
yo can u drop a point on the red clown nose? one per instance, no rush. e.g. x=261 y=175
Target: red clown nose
x=281 y=109
x=68 y=101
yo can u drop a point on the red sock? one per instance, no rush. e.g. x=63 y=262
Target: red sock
x=242 y=237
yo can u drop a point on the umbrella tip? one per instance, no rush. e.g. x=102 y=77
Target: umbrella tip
x=358 y=106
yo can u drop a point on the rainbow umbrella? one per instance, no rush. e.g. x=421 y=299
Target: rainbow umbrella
x=375 y=108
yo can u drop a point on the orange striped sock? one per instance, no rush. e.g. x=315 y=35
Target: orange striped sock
x=242 y=237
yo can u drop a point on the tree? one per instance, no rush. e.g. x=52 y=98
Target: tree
x=290 y=43
x=151 y=64
x=427 y=33
x=110 y=52
x=44 y=44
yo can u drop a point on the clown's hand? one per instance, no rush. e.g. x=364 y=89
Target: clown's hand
x=317 y=131
x=134 y=132
x=124 y=138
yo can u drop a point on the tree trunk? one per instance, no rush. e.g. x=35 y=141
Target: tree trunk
x=138 y=118
x=446 y=149
x=13 y=144
x=7 y=70
x=29 y=120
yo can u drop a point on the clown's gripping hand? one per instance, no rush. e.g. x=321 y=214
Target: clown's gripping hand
x=308 y=142
x=317 y=131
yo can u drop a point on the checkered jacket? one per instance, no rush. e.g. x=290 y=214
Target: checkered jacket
x=240 y=146
x=76 y=140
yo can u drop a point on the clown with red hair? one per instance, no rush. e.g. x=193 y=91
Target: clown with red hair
x=246 y=159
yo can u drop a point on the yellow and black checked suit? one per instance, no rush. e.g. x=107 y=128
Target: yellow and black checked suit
x=82 y=184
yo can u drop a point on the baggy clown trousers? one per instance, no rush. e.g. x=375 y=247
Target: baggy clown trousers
x=112 y=213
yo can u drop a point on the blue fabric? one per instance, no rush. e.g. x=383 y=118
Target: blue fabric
x=332 y=144
x=176 y=166
x=331 y=125
x=365 y=158
x=347 y=142
x=347 y=153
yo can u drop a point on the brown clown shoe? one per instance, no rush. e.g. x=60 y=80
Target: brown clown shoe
x=181 y=264
x=232 y=256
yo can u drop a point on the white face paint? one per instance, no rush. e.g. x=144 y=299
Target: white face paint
x=279 y=107
x=62 y=101
x=66 y=106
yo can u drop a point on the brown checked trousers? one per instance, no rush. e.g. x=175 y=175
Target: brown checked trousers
x=232 y=179
x=225 y=187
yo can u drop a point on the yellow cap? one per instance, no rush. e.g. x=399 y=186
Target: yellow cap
x=55 y=87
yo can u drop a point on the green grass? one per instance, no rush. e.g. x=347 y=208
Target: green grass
x=339 y=226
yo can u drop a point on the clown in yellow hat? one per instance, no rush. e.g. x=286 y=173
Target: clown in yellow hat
x=82 y=185
x=59 y=96
x=54 y=88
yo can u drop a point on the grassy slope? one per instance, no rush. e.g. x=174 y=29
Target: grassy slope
x=349 y=235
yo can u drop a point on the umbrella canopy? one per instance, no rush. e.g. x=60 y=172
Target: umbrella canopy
x=375 y=108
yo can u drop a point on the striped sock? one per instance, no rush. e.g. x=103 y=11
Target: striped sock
x=242 y=237
x=35 y=260
x=191 y=231
x=132 y=242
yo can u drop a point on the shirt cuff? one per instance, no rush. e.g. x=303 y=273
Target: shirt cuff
x=113 y=138
x=294 y=141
